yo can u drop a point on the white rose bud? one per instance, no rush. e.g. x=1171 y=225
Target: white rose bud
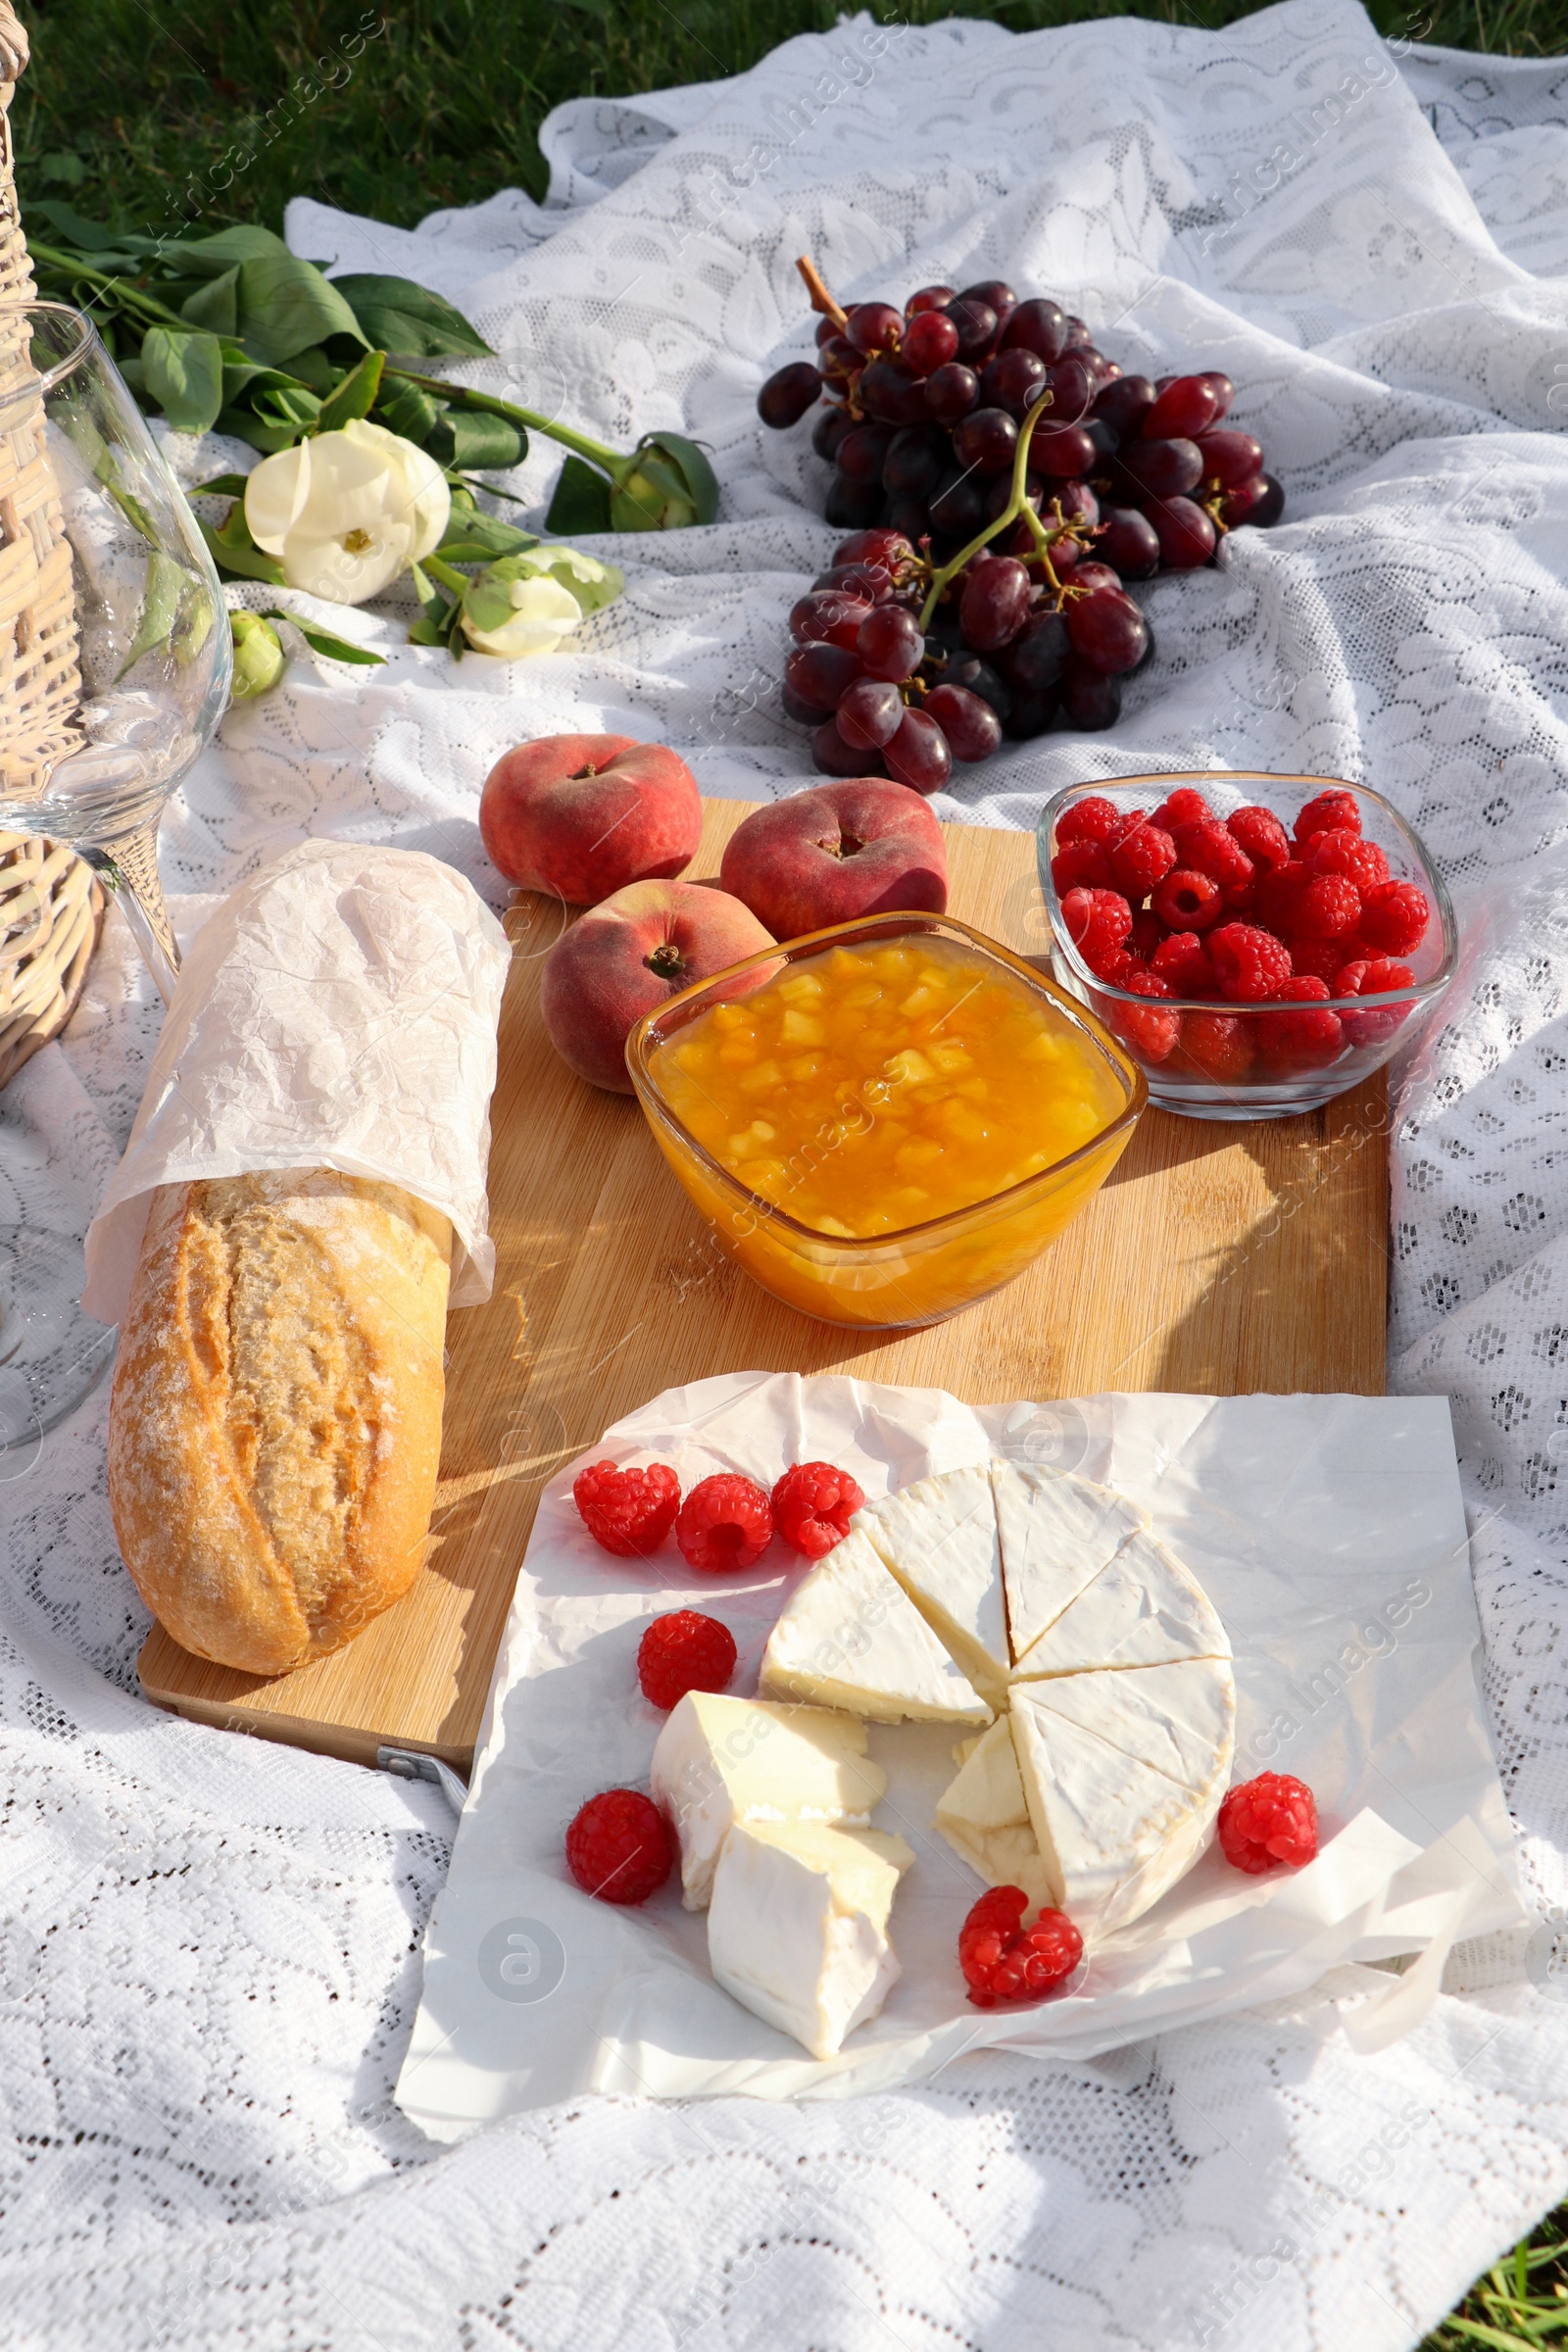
x=347 y=512
x=526 y=603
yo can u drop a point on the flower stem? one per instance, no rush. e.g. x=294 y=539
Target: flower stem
x=443 y=571
x=153 y=311
x=1017 y=504
x=463 y=397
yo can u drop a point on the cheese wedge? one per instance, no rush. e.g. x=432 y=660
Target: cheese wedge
x=1058 y=1531
x=720 y=1761
x=798 y=1925
x=984 y=1817
x=850 y=1636
x=1113 y=1832
x=1142 y=1609
x=1179 y=1720
x=939 y=1537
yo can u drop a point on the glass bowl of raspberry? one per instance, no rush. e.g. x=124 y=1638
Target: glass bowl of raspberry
x=1260 y=943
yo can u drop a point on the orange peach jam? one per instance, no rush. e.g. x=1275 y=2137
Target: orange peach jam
x=872 y=1088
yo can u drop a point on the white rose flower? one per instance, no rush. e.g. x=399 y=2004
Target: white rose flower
x=526 y=603
x=542 y=613
x=347 y=512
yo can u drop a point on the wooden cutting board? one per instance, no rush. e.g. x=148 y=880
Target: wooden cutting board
x=1218 y=1259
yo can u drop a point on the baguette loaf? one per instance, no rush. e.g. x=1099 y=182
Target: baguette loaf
x=274 y=1428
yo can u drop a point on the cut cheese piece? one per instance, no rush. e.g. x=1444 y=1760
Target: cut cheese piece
x=1057 y=1532
x=939 y=1537
x=1113 y=1832
x=1145 y=1609
x=983 y=1816
x=719 y=1760
x=798 y=1925
x=1179 y=1720
x=850 y=1636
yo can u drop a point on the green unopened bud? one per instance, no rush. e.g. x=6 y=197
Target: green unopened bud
x=258 y=657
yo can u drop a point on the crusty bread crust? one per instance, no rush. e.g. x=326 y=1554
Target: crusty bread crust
x=274 y=1429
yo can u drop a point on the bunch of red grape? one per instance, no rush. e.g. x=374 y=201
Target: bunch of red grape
x=922 y=421
x=884 y=697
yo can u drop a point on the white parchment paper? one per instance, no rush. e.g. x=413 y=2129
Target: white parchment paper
x=338 y=1011
x=1329 y=1532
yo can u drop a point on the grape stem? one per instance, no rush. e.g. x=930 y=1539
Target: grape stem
x=821 y=299
x=1017 y=504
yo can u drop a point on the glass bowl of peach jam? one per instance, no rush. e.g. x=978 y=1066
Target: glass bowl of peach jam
x=885 y=1121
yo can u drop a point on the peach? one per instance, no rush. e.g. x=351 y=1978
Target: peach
x=864 y=846
x=582 y=816
x=630 y=953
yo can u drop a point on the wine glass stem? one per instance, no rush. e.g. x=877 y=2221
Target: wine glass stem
x=127 y=866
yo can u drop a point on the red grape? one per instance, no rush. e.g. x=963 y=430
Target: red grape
x=973 y=728
x=1037 y=326
x=872 y=584
x=950 y=393
x=916 y=460
x=1183 y=411
x=978 y=678
x=976 y=323
x=786 y=395
x=818 y=674
x=918 y=754
x=929 y=298
x=890 y=644
x=860 y=453
x=1260 y=501
x=833 y=757
x=1077 y=502
x=830 y=429
x=838 y=360
x=1230 y=458
x=870 y=714
x=1129 y=543
x=999 y=492
x=873 y=547
x=930 y=341
x=1094 y=577
x=805 y=714
x=826 y=329
x=1124 y=404
x=986 y=440
x=1063 y=449
x=995 y=603
x=875 y=327
x=1107 y=631
x=1072 y=391
x=1224 y=389
x=1038 y=654
x=909 y=512
x=1161 y=469
x=892 y=392
x=1186 y=534
x=1089 y=700
x=849 y=502
x=958 y=505
x=827 y=617
x=1014 y=380
x=1031 y=714
x=996 y=294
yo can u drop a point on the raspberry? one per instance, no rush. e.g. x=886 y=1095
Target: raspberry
x=1275 y=896
x=1093 y=819
x=1003 y=1961
x=1329 y=908
x=1150 y=1034
x=1251 y=964
x=1318 y=959
x=1341 y=852
x=1261 y=836
x=629 y=1513
x=1146 y=935
x=1213 y=851
x=1181 y=960
x=1272 y=1819
x=813 y=1504
x=1184 y=807
x=1395 y=917
x=618 y=1847
x=684 y=1651
x=1371 y=979
x=1142 y=858
x=1112 y=964
x=1219 y=1044
x=1188 y=901
x=1082 y=865
x=1307 y=1039
x=1097 y=920
x=1329 y=813
x=726 y=1521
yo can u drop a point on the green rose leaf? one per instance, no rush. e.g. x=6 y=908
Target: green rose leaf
x=688 y=463
x=479 y=440
x=215 y=304
x=322 y=642
x=235 y=551
x=472 y=537
x=165 y=579
x=408 y=320
x=211 y=256
x=355 y=396
x=185 y=374
x=581 y=501
x=221 y=485
x=404 y=408
x=287 y=305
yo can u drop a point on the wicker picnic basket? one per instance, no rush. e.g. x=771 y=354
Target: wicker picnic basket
x=51 y=907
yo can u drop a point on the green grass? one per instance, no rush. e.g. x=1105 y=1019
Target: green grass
x=133 y=109
x=128 y=101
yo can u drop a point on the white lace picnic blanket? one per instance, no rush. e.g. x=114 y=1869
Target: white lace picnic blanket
x=210 y=1955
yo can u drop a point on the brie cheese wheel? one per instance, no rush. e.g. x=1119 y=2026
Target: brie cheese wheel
x=1179 y=1720
x=1114 y=1832
x=797 y=1930
x=939 y=1537
x=1143 y=1609
x=720 y=1761
x=850 y=1636
x=1058 y=1531
x=984 y=1817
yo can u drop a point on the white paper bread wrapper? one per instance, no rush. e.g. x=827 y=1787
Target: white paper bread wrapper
x=338 y=1011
